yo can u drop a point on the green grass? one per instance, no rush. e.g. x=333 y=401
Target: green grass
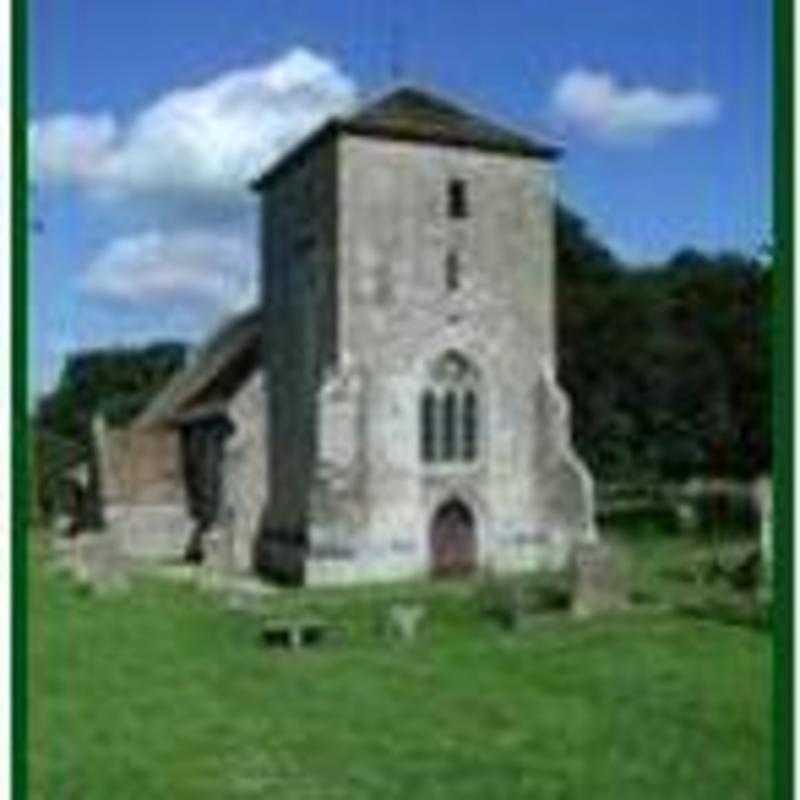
x=162 y=693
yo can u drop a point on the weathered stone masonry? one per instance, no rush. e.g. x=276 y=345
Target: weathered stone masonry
x=390 y=408
x=372 y=281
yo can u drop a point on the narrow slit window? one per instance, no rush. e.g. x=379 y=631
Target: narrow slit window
x=457 y=199
x=453 y=271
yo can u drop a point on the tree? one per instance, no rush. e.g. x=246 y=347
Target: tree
x=668 y=367
x=116 y=382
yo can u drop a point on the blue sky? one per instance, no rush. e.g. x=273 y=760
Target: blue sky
x=146 y=118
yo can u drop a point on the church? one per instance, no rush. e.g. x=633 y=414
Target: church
x=390 y=410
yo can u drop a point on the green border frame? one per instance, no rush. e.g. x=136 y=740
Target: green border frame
x=783 y=405
x=782 y=400
x=19 y=429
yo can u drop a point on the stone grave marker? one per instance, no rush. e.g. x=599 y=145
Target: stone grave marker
x=403 y=620
x=597 y=583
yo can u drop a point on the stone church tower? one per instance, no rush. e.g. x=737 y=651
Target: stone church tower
x=414 y=420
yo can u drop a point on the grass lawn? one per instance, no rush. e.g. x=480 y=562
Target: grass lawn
x=162 y=693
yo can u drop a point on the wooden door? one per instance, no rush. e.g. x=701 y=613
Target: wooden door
x=453 y=540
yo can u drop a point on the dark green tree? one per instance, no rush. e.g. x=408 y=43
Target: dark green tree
x=668 y=367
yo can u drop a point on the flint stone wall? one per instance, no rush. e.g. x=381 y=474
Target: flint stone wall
x=142 y=489
x=356 y=324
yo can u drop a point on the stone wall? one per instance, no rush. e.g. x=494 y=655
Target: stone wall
x=244 y=474
x=359 y=309
x=299 y=293
x=139 y=466
x=142 y=488
x=530 y=496
x=395 y=235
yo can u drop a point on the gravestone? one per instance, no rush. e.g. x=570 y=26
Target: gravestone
x=294 y=633
x=402 y=621
x=597 y=583
x=97 y=562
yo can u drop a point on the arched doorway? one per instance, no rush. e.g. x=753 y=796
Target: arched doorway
x=453 y=543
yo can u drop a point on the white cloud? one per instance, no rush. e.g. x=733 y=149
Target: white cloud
x=71 y=146
x=174 y=177
x=596 y=104
x=215 y=270
x=203 y=142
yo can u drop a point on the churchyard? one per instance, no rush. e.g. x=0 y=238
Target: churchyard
x=161 y=689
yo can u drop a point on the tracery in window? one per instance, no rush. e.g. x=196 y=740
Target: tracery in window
x=449 y=411
x=470 y=422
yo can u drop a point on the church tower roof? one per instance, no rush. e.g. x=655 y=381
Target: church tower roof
x=411 y=114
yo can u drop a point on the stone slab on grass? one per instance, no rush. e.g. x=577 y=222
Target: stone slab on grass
x=598 y=584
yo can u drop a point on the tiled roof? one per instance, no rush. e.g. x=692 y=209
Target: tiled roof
x=218 y=368
x=415 y=115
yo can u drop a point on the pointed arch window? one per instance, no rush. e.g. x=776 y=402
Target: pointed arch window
x=449 y=412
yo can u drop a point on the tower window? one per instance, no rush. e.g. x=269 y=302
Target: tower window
x=452 y=271
x=449 y=412
x=428 y=426
x=449 y=444
x=457 y=199
x=470 y=420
